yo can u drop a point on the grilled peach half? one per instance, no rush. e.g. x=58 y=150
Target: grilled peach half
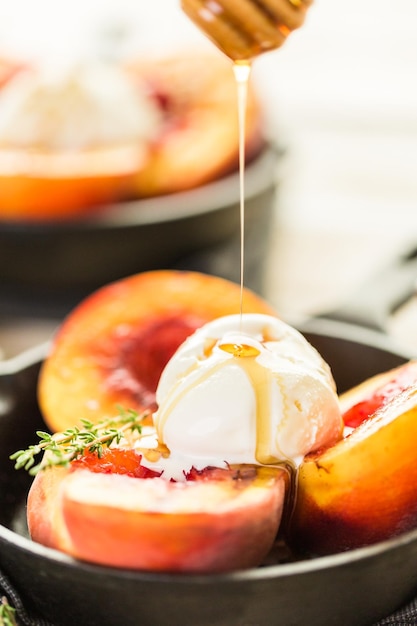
x=364 y=488
x=218 y=520
x=111 y=349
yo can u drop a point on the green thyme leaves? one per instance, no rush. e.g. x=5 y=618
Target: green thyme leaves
x=62 y=448
x=7 y=613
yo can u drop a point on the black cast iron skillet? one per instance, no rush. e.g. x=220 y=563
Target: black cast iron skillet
x=355 y=588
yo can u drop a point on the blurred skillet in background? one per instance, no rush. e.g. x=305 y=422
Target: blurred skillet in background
x=66 y=230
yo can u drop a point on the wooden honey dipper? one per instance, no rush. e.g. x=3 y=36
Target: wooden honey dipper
x=243 y=29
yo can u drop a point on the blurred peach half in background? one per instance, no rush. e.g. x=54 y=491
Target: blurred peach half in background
x=75 y=139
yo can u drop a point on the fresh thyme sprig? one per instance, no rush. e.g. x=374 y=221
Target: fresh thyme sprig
x=7 y=613
x=62 y=448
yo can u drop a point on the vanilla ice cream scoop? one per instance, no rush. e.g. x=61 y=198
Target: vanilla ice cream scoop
x=247 y=389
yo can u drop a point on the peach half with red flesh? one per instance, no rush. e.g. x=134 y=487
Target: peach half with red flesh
x=102 y=511
x=111 y=349
x=363 y=489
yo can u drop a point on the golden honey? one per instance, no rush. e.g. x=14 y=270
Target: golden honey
x=243 y=29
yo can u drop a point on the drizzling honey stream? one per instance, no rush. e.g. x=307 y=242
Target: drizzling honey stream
x=242 y=30
x=242 y=73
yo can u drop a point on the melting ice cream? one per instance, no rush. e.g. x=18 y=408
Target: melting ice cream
x=244 y=390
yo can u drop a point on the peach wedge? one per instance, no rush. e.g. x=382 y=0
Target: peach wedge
x=364 y=488
x=111 y=349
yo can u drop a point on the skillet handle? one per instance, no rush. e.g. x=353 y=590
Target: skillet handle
x=381 y=295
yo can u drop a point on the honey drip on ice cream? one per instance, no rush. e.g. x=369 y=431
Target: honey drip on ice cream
x=261 y=380
x=239 y=350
